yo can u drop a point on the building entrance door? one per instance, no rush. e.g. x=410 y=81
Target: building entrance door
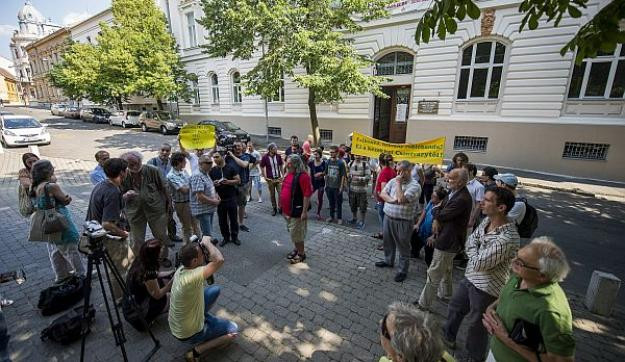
x=390 y=114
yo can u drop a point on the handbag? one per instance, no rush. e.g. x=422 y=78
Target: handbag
x=526 y=334
x=25 y=203
x=53 y=221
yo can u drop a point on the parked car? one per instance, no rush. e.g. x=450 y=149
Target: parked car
x=125 y=118
x=226 y=128
x=165 y=122
x=95 y=114
x=58 y=109
x=22 y=130
x=72 y=112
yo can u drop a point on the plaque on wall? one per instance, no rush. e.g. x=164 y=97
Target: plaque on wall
x=427 y=107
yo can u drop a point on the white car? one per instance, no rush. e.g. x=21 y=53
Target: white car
x=58 y=109
x=125 y=118
x=23 y=130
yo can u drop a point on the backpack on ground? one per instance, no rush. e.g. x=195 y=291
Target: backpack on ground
x=68 y=327
x=528 y=225
x=60 y=297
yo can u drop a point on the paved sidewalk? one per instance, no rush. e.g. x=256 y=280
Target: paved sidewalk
x=327 y=309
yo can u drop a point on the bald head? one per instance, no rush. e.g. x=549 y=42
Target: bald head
x=458 y=178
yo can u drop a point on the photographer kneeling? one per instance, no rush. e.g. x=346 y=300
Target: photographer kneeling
x=189 y=319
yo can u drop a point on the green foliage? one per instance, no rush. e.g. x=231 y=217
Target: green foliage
x=600 y=33
x=305 y=40
x=134 y=56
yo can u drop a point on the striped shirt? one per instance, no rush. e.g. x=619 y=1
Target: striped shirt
x=490 y=255
x=201 y=182
x=178 y=179
x=412 y=191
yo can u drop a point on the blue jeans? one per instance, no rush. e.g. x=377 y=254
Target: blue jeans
x=380 y=207
x=256 y=184
x=335 y=197
x=206 y=223
x=213 y=327
x=4 y=340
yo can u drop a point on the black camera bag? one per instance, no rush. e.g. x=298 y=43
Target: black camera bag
x=60 y=297
x=67 y=328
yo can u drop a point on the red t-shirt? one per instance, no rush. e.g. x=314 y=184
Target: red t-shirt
x=385 y=175
x=287 y=185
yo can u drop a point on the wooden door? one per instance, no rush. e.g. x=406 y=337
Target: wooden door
x=386 y=124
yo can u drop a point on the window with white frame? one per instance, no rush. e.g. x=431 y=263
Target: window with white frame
x=215 y=88
x=481 y=70
x=190 y=16
x=395 y=63
x=470 y=143
x=196 y=92
x=237 y=97
x=585 y=151
x=602 y=77
x=279 y=95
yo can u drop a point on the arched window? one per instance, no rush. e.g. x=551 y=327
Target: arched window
x=395 y=63
x=215 y=88
x=196 y=92
x=481 y=70
x=237 y=97
x=602 y=77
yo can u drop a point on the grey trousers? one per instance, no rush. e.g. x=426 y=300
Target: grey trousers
x=469 y=302
x=158 y=225
x=396 y=235
x=439 y=278
x=66 y=260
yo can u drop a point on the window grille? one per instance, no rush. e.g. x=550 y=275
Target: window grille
x=326 y=135
x=585 y=151
x=276 y=131
x=395 y=63
x=470 y=143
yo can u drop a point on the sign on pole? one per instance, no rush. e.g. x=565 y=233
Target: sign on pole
x=430 y=151
x=197 y=136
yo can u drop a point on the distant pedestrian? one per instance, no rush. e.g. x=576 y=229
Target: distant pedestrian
x=431 y=173
x=63 y=252
x=295 y=202
x=317 y=167
x=163 y=164
x=490 y=249
x=449 y=229
x=423 y=227
x=531 y=320
x=204 y=198
x=147 y=202
x=488 y=176
x=272 y=169
x=359 y=177
x=98 y=175
x=24 y=175
x=509 y=181
x=226 y=179
x=336 y=179
x=400 y=196
x=307 y=146
x=458 y=161
x=294 y=148
x=180 y=187
x=255 y=173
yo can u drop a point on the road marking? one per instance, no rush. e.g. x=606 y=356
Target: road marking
x=35 y=149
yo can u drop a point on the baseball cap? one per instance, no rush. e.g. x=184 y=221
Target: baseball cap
x=508 y=179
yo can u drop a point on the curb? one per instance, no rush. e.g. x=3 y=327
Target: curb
x=575 y=190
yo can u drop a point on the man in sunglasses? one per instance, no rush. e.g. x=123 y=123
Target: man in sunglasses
x=204 y=198
x=490 y=250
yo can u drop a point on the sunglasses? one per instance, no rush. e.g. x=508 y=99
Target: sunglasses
x=384 y=329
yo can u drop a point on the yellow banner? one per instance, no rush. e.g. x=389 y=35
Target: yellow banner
x=197 y=136
x=430 y=151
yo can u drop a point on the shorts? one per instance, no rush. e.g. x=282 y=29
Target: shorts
x=358 y=200
x=297 y=228
x=255 y=180
x=243 y=190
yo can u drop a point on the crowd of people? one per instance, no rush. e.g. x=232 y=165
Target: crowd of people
x=453 y=215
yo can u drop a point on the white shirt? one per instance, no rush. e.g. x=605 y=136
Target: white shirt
x=255 y=170
x=517 y=212
x=193 y=163
x=476 y=189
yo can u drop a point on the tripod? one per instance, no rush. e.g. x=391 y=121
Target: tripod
x=97 y=255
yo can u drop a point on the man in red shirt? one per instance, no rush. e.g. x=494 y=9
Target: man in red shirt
x=387 y=173
x=295 y=202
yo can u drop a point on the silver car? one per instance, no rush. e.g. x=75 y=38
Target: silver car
x=58 y=109
x=125 y=118
x=165 y=122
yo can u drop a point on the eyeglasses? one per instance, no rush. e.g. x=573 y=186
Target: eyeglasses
x=522 y=264
x=384 y=329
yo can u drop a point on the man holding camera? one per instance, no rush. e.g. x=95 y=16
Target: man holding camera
x=190 y=320
x=105 y=207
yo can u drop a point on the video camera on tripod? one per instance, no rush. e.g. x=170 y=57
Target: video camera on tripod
x=94 y=236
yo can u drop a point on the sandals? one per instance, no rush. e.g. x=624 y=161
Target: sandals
x=298 y=258
x=292 y=254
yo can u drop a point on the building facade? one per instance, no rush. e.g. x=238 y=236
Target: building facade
x=9 y=93
x=43 y=54
x=32 y=25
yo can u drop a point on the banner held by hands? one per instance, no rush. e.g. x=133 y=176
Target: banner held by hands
x=430 y=151
x=197 y=136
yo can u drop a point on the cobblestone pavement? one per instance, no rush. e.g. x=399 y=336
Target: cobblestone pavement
x=327 y=309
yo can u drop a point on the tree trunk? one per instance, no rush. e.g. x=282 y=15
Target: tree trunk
x=159 y=102
x=120 y=104
x=314 y=122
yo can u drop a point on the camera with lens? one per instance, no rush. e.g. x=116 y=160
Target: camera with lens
x=94 y=235
x=205 y=252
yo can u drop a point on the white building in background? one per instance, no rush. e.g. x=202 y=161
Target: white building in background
x=32 y=25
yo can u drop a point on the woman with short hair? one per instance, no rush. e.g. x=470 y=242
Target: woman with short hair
x=47 y=193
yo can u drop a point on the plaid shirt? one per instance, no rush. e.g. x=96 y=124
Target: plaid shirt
x=201 y=182
x=176 y=180
x=412 y=191
x=490 y=255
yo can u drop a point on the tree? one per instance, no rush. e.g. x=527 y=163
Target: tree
x=602 y=33
x=136 y=55
x=303 y=39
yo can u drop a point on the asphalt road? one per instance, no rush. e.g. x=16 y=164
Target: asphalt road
x=589 y=230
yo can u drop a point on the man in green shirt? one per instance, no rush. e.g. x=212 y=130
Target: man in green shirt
x=533 y=297
x=190 y=302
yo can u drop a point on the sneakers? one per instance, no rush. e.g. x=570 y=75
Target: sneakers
x=237 y=242
x=360 y=225
x=383 y=264
x=244 y=228
x=260 y=201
